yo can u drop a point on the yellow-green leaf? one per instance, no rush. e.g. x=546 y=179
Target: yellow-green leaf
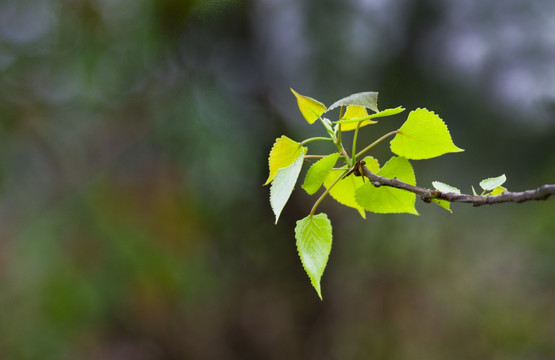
x=498 y=191
x=283 y=153
x=372 y=164
x=310 y=108
x=318 y=172
x=314 y=238
x=385 y=199
x=423 y=136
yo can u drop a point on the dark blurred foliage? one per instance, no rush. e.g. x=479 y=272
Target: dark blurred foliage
x=134 y=137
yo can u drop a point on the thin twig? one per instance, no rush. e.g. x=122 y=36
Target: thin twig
x=427 y=195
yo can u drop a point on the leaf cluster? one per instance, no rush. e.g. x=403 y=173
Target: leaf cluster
x=423 y=135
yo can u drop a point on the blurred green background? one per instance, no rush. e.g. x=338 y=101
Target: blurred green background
x=134 y=137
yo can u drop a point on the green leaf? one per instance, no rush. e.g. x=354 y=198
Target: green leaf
x=498 y=191
x=318 y=173
x=283 y=185
x=314 y=238
x=367 y=99
x=445 y=188
x=350 y=122
x=474 y=191
x=423 y=136
x=385 y=199
x=492 y=183
x=310 y=108
x=283 y=153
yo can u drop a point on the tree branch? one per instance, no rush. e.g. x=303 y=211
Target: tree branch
x=427 y=195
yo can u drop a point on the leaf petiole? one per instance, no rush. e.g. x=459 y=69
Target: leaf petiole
x=315 y=139
x=355 y=142
x=375 y=143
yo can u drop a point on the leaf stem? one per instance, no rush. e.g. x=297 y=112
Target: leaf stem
x=315 y=139
x=355 y=142
x=314 y=156
x=376 y=143
x=339 y=143
x=341 y=111
x=326 y=193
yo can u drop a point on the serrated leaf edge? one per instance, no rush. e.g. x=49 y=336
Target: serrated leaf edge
x=270 y=175
x=497 y=181
x=316 y=283
x=277 y=212
x=345 y=101
x=458 y=149
x=438 y=184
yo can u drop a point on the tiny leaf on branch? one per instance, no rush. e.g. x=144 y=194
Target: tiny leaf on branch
x=491 y=183
x=283 y=185
x=284 y=152
x=423 y=136
x=498 y=191
x=314 y=238
x=386 y=200
x=367 y=99
x=310 y=108
x=446 y=189
x=318 y=173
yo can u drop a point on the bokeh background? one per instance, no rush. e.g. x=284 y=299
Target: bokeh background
x=134 y=137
